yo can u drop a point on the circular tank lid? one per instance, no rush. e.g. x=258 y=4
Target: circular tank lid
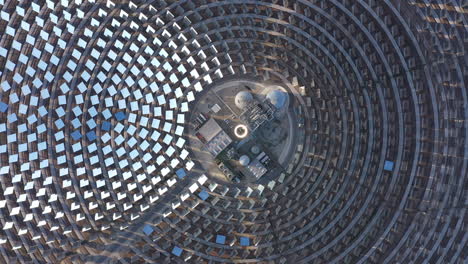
x=255 y=149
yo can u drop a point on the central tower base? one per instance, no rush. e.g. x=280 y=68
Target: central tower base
x=243 y=131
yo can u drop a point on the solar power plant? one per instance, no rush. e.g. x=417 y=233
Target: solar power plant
x=233 y=131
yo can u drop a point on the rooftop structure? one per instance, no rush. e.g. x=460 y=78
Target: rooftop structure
x=216 y=139
x=218 y=143
x=257 y=168
x=256 y=114
x=210 y=129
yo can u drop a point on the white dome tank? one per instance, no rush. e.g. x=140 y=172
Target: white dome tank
x=277 y=98
x=244 y=160
x=243 y=98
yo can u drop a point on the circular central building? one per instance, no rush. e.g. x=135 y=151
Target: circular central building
x=240 y=131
